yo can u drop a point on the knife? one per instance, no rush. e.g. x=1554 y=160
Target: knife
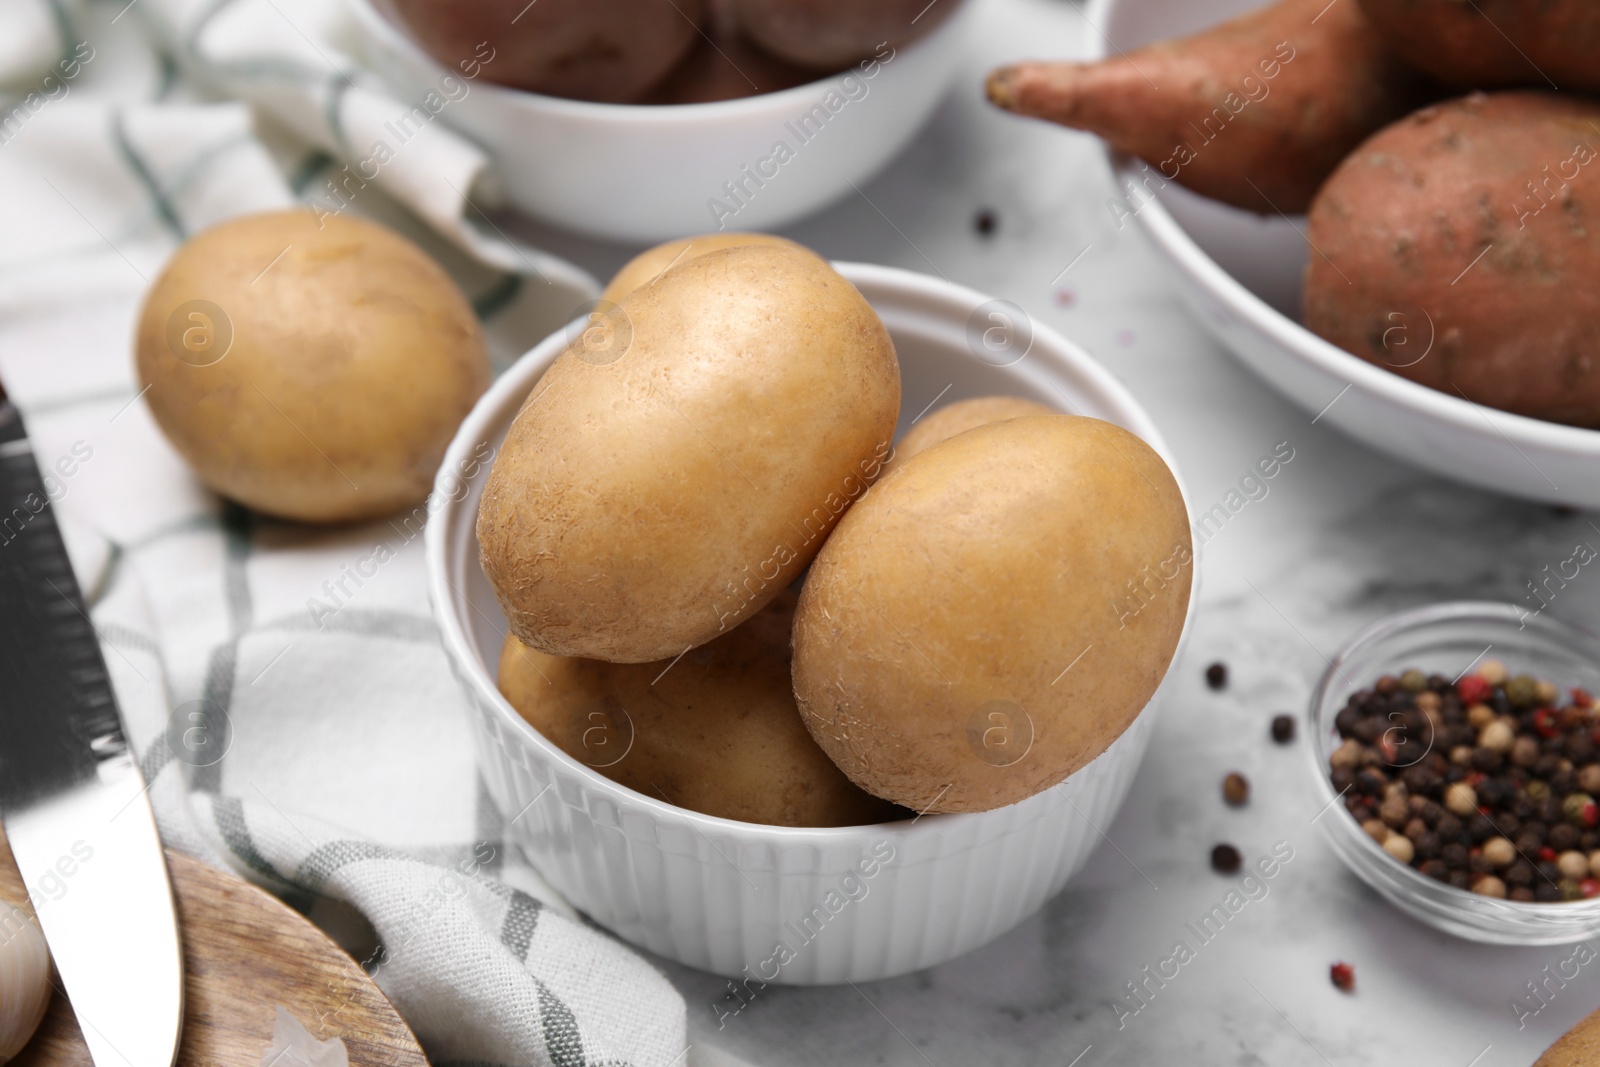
x=71 y=795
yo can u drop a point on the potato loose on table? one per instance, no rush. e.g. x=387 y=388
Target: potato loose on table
x=716 y=732
x=1460 y=248
x=992 y=615
x=654 y=493
x=313 y=370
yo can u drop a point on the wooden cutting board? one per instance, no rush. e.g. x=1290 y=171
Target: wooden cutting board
x=244 y=953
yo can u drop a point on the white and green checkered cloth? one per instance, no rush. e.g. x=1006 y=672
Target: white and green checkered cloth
x=346 y=781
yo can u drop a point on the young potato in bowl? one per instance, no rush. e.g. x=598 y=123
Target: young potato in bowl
x=959 y=417
x=994 y=614
x=654 y=492
x=716 y=732
x=650 y=264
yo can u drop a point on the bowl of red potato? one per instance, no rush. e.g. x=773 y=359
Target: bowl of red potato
x=1389 y=211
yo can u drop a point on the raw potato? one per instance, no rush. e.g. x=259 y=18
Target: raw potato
x=353 y=358
x=960 y=417
x=1491 y=43
x=992 y=616
x=726 y=65
x=717 y=732
x=830 y=34
x=1255 y=112
x=610 y=51
x=644 y=503
x=1460 y=248
x=650 y=264
x=1580 y=1046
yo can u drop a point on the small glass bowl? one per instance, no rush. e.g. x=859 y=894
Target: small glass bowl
x=1450 y=639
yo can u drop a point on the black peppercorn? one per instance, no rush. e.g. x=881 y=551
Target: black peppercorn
x=1217 y=675
x=1487 y=760
x=1545 y=893
x=1436 y=869
x=1459 y=879
x=984 y=222
x=1454 y=856
x=1371 y=782
x=1450 y=829
x=1520 y=873
x=1427 y=844
x=1562 y=837
x=1225 y=859
x=1368 y=731
x=1283 y=728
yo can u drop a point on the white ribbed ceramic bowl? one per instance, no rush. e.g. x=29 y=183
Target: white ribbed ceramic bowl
x=1240 y=273
x=719 y=894
x=646 y=173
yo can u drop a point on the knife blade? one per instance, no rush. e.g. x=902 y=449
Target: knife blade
x=71 y=796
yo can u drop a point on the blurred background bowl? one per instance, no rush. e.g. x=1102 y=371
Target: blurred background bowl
x=718 y=894
x=649 y=172
x=1240 y=273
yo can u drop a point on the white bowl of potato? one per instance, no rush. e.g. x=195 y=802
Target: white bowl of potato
x=804 y=904
x=639 y=172
x=1241 y=273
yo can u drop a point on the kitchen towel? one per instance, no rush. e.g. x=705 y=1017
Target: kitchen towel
x=283 y=685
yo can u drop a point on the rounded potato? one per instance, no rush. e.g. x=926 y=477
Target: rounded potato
x=311 y=370
x=726 y=65
x=961 y=416
x=991 y=617
x=1458 y=249
x=654 y=493
x=830 y=34
x=650 y=264
x=1486 y=44
x=717 y=732
x=609 y=51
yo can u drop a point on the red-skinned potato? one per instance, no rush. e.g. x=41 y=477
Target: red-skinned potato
x=726 y=65
x=1488 y=44
x=1459 y=248
x=831 y=34
x=1255 y=112
x=610 y=51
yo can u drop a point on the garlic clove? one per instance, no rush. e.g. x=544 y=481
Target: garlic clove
x=24 y=977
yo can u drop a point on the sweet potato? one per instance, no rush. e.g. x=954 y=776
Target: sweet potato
x=1255 y=112
x=1460 y=247
x=1580 y=1046
x=1492 y=43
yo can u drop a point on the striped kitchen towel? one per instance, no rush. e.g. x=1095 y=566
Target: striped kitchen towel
x=283 y=685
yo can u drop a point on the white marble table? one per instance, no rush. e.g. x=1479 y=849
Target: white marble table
x=1343 y=537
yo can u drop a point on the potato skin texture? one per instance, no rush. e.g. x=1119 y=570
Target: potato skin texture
x=1402 y=220
x=648 y=265
x=645 y=505
x=1256 y=112
x=829 y=34
x=970 y=579
x=719 y=732
x=1578 y=1047
x=959 y=417
x=608 y=51
x=354 y=358
x=1490 y=44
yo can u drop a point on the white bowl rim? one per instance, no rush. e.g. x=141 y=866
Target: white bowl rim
x=477 y=426
x=398 y=39
x=1324 y=355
